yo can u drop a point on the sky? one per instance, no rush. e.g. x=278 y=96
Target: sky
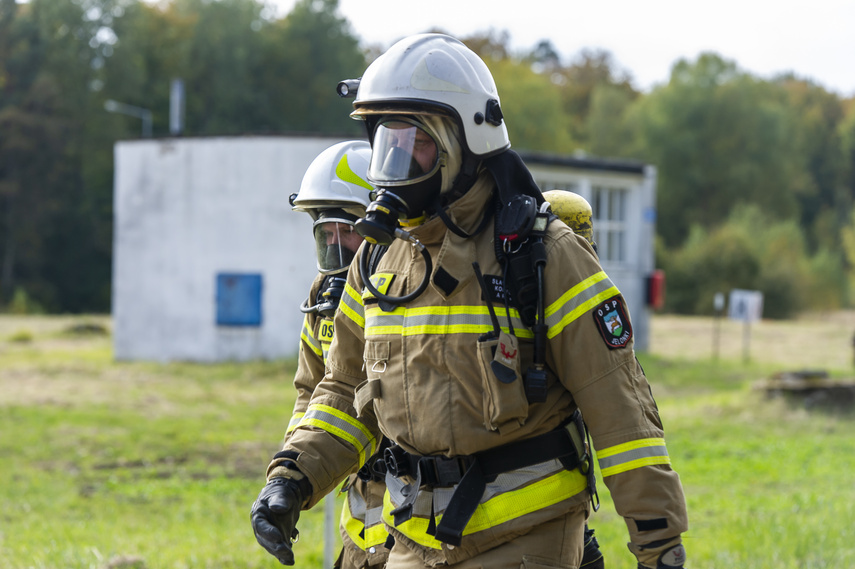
x=815 y=40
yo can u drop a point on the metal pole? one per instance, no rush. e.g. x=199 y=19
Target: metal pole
x=112 y=106
x=716 y=335
x=146 y=124
x=176 y=107
x=718 y=307
x=329 y=528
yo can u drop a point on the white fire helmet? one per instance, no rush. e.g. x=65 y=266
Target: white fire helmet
x=435 y=74
x=335 y=193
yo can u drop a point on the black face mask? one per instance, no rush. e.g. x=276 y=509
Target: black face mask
x=338 y=256
x=419 y=197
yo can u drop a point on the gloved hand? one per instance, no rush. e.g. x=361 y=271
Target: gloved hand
x=592 y=557
x=672 y=558
x=274 y=517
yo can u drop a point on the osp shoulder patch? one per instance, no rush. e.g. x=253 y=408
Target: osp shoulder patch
x=613 y=323
x=381 y=282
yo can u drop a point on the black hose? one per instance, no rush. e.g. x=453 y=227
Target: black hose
x=366 y=280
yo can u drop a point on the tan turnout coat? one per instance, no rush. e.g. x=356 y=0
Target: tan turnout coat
x=420 y=375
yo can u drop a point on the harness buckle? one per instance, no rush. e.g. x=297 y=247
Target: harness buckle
x=441 y=471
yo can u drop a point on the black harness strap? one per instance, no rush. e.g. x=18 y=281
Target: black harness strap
x=487 y=464
x=471 y=473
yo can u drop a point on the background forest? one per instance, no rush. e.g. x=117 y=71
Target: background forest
x=756 y=176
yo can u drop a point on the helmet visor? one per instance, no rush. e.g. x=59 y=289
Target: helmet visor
x=403 y=152
x=336 y=242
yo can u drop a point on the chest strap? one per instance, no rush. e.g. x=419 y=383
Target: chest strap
x=471 y=473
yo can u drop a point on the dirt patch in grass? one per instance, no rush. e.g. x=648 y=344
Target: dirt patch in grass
x=48 y=325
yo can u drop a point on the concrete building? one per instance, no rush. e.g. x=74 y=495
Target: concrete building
x=209 y=261
x=622 y=195
x=211 y=264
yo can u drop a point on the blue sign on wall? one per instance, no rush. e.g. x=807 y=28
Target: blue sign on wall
x=239 y=299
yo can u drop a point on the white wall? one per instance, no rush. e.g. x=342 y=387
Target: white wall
x=187 y=209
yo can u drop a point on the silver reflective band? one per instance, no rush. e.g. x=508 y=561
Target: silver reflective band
x=578 y=301
x=632 y=455
x=342 y=425
x=437 y=320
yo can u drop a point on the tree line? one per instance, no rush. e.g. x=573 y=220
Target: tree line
x=756 y=177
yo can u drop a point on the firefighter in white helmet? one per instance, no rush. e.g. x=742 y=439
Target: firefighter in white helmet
x=473 y=344
x=335 y=193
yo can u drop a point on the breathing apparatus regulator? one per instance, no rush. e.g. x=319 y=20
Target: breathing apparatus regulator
x=406 y=164
x=335 y=193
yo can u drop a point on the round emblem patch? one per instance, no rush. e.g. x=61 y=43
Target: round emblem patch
x=613 y=323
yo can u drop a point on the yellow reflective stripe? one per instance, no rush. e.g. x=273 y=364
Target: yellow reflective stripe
x=308 y=336
x=342 y=425
x=499 y=509
x=351 y=305
x=325 y=346
x=439 y=320
x=352 y=526
x=295 y=420
x=376 y=535
x=632 y=455
x=577 y=301
x=355 y=528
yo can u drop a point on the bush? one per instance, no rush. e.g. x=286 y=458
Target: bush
x=752 y=252
x=21 y=337
x=21 y=303
x=708 y=264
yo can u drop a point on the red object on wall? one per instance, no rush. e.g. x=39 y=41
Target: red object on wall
x=656 y=289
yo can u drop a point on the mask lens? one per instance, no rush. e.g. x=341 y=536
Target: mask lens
x=336 y=243
x=402 y=153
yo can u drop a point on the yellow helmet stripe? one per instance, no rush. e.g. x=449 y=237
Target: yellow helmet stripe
x=346 y=174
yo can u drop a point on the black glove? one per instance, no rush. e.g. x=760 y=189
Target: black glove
x=592 y=558
x=274 y=517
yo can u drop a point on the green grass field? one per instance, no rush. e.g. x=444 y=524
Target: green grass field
x=144 y=465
